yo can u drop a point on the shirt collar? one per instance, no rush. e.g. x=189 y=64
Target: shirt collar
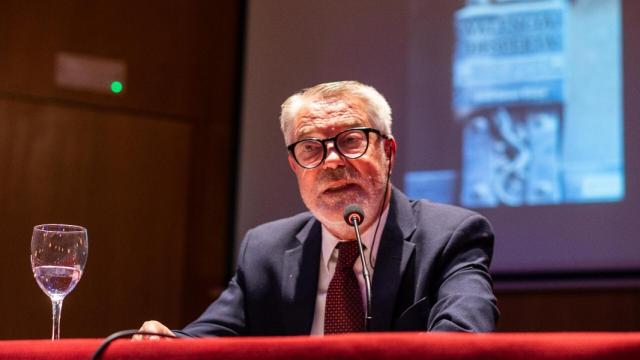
x=329 y=241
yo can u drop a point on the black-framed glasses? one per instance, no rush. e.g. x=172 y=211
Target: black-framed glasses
x=350 y=143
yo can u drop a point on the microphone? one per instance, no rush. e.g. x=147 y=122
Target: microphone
x=354 y=216
x=353 y=213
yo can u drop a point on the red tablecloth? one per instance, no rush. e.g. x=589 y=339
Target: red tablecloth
x=618 y=346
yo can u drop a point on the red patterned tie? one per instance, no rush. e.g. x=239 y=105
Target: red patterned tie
x=343 y=310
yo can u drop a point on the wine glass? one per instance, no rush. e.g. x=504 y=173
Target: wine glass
x=58 y=255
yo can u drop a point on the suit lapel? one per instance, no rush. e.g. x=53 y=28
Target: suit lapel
x=393 y=256
x=300 y=279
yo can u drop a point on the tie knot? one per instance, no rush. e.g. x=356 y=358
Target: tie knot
x=347 y=254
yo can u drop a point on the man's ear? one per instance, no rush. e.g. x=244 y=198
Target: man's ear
x=390 y=148
x=292 y=163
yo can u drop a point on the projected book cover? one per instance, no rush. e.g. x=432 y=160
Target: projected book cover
x=537 y=97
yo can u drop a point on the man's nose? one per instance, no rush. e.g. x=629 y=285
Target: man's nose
x=333 y=158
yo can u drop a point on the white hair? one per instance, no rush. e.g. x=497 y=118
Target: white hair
x=376 y=106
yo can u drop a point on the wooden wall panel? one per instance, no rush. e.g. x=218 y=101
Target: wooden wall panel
x=158 y=40
x=144 y=171
x=125 y=178
x=570 y=310
x=214 y=154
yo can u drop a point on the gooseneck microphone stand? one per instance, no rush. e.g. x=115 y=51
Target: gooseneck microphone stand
x=354 y=216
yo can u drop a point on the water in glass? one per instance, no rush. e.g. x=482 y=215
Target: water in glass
x=58 y=256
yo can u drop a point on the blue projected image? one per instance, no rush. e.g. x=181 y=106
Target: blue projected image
x=537 y=94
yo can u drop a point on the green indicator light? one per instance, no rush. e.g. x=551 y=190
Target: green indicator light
x=116 y=87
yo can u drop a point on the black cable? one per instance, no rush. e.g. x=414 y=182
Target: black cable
x=118 y=335
x=384 y=199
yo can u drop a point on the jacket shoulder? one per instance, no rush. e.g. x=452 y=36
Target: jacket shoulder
x=444 y=217
x=292 y=224
x=279 y=232
x=433 y=208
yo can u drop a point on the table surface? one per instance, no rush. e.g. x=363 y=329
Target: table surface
x=349 y=346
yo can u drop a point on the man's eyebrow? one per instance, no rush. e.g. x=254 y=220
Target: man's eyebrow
x=303 y=135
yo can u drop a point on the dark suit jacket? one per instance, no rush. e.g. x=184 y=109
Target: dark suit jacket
x=431 y=273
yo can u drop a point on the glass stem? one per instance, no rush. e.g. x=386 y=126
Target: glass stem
x=57 y=309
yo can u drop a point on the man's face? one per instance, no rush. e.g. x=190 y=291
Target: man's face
x=327 y=189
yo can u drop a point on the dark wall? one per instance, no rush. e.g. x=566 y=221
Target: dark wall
x=146 y=171
x=570 y=310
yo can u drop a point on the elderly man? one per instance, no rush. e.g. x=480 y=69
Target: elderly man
x=302 y=275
